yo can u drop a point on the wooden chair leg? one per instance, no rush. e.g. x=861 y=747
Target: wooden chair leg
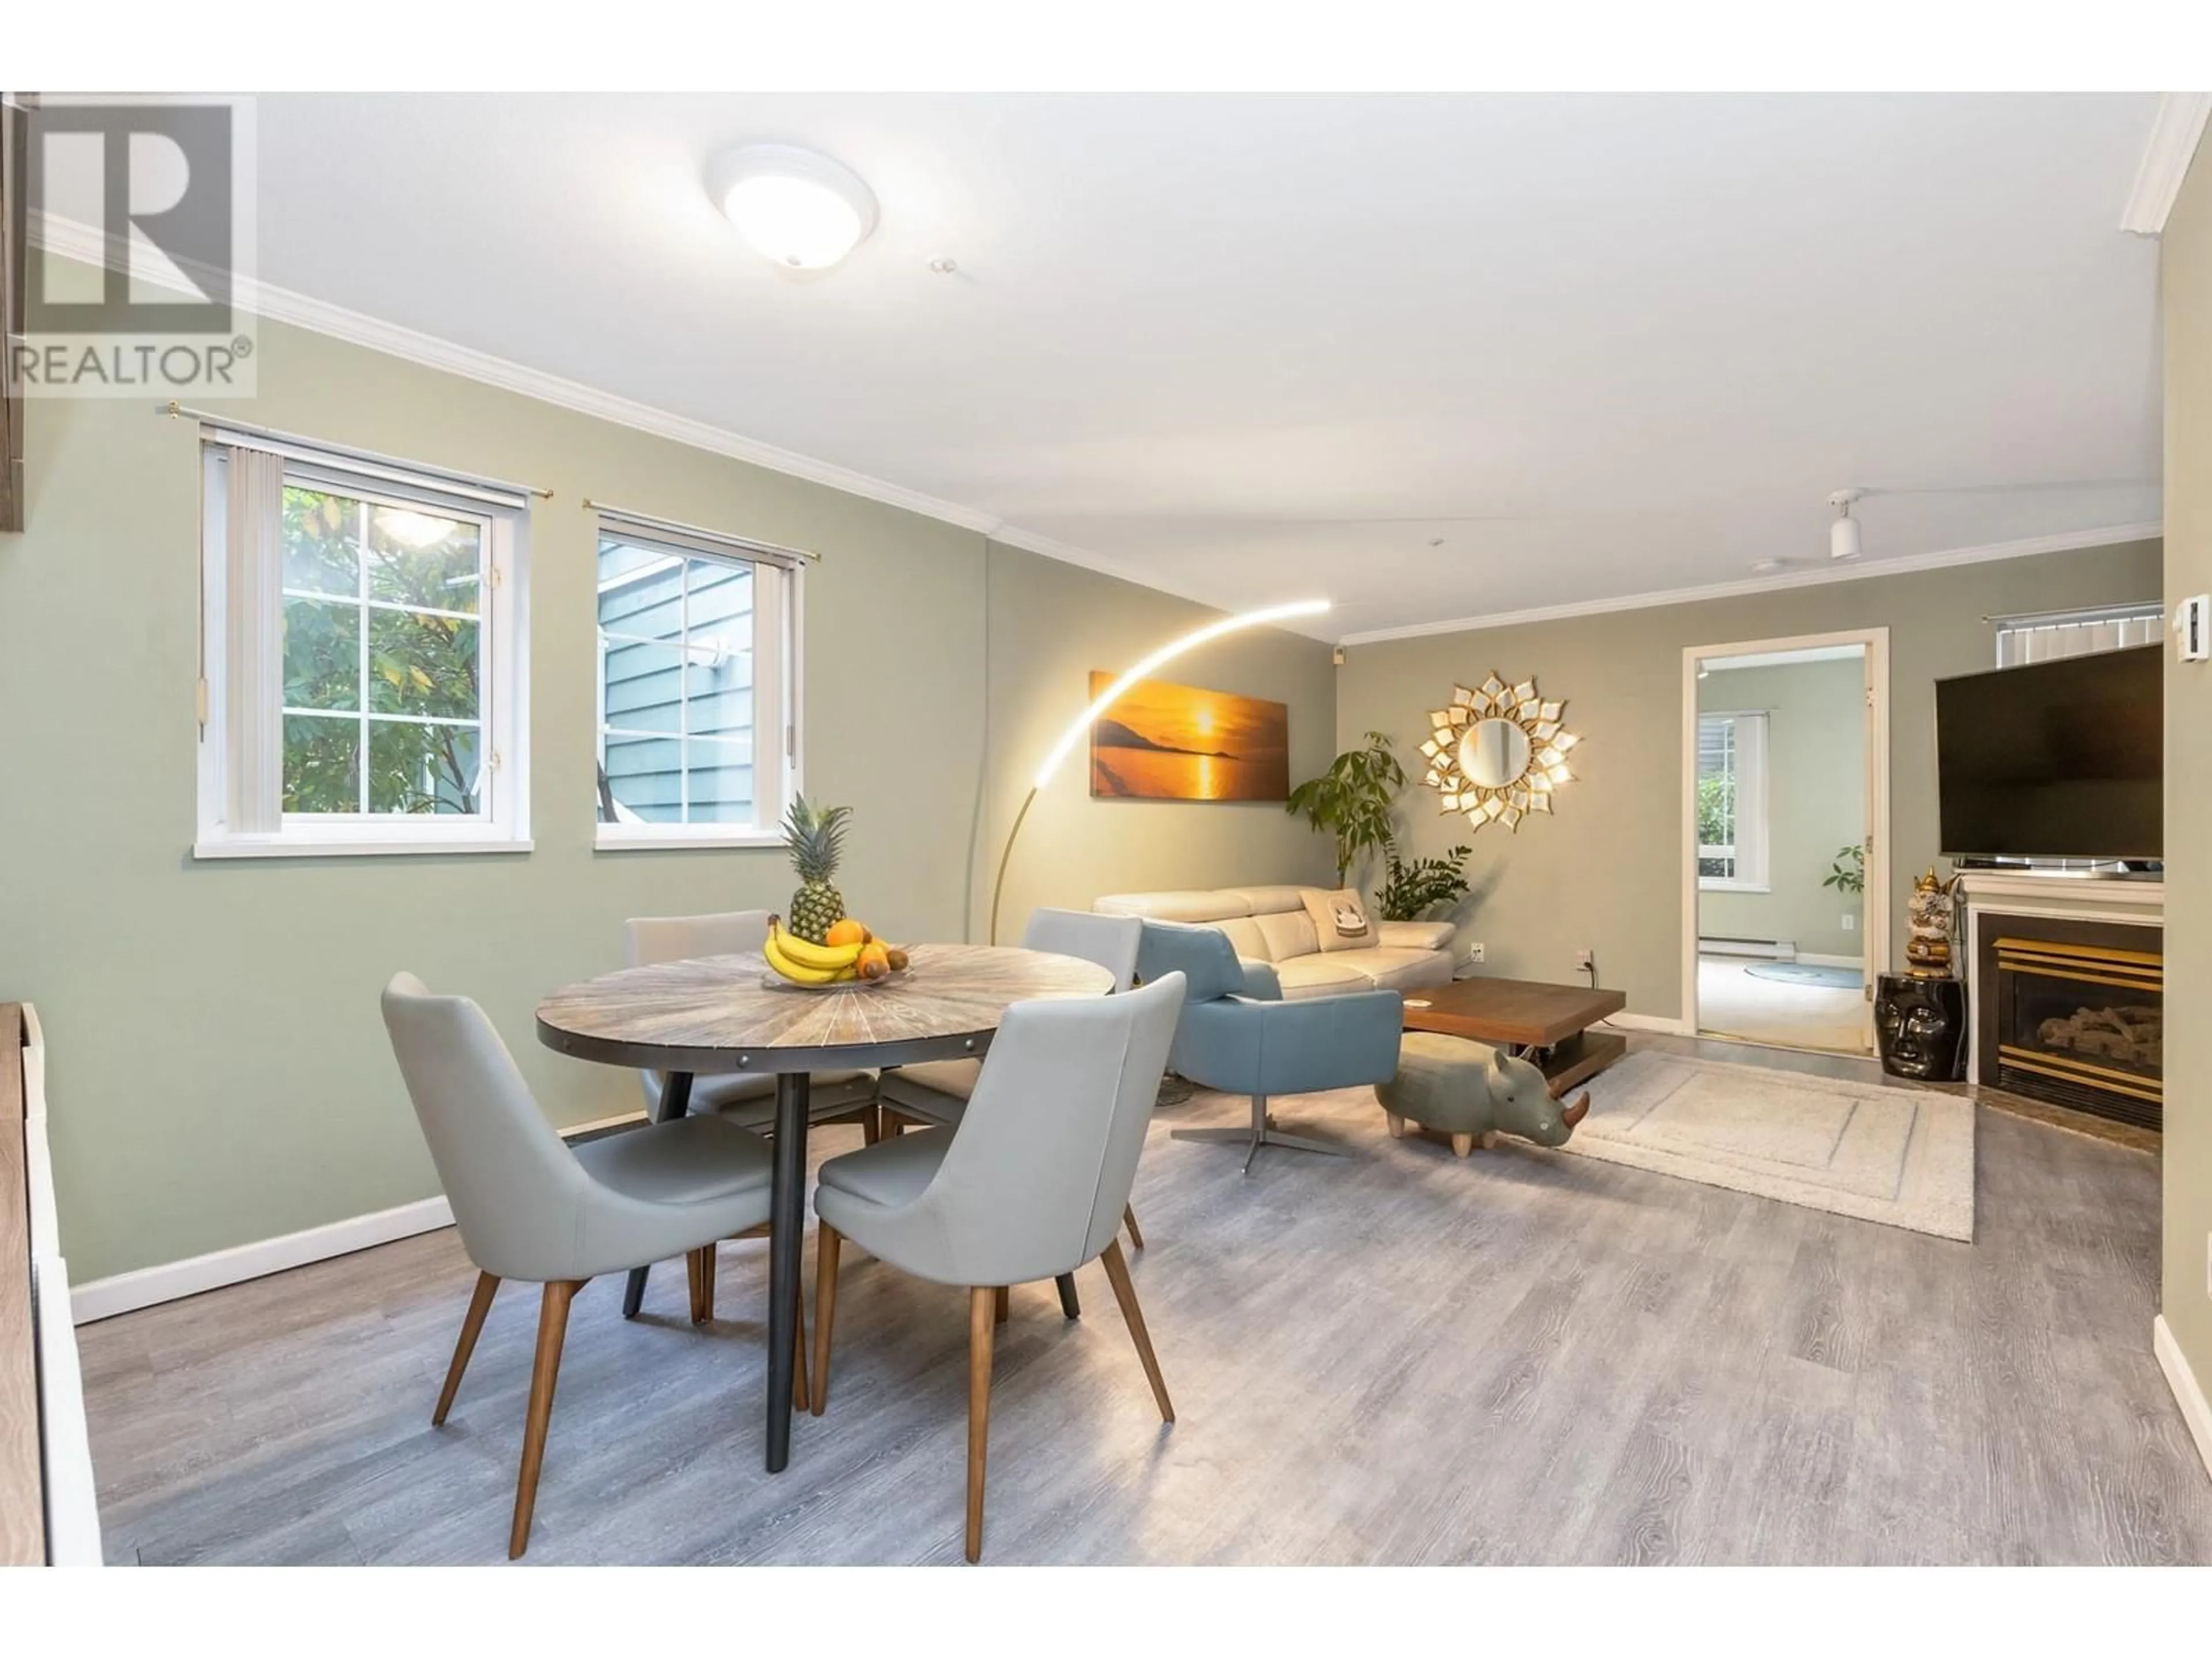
x=982 y=1302
x=471 y=1324
x=1117 y=1274
x=1070 y=1306
x=1462 y=1145
x=552 y=1327
x=707 y=1255
x=1000 y=1299
x=691 y=1282
x=826 y=1239
x=1129 y=1221
x=800 y=1392
x=871 y=1126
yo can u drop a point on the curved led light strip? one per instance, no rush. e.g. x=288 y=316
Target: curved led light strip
x=1112 y=693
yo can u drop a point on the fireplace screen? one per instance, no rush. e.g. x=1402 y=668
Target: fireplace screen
x=2083 y=1025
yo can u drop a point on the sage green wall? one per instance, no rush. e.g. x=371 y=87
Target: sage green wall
x=1051 y=624
x=1605 y=872
x=2185 y=274
x=1816 y=801
x=219 y=1073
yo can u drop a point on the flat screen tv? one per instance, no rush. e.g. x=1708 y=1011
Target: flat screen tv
x=2060 y=759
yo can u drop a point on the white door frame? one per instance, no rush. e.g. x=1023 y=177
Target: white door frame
x=1875 y=910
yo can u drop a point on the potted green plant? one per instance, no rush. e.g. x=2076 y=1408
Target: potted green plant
x=1848 y=874
x=1351 y=802
x=1411 y=890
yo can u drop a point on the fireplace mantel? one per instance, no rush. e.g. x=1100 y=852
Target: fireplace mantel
x=2018 y=893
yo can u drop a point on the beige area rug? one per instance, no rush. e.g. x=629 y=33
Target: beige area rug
x=1901 y=1157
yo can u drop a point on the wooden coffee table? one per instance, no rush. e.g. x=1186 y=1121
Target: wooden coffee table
x=1546 y=1023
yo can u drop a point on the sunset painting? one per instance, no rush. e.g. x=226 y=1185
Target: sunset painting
x=1163 y=742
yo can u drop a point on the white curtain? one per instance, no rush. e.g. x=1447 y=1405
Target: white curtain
x=253 y=656
x=2077 y=633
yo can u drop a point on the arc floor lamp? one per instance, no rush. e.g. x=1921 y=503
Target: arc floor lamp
x=1112 y=695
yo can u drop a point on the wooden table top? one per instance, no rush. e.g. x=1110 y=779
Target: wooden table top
x=731 y=1014
x=1523 y=1011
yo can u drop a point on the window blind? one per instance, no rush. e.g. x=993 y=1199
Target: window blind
x=2050 y=634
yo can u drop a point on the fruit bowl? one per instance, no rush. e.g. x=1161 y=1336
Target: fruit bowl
x=772 y=981
x=851 y=955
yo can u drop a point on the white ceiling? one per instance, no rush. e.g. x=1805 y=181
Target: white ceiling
x=1251 y=348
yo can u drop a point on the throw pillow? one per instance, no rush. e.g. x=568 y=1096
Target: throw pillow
x=1340 y=920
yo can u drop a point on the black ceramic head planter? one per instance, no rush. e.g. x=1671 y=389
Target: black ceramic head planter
x=1920 y=1023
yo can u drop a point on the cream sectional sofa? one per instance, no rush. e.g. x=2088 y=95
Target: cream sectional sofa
x=1270 y=925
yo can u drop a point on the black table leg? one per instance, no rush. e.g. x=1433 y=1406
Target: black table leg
x=786 y=1231
x=1068 y=1304
x=675 y=1102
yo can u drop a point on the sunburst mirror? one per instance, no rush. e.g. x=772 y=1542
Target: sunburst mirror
x=1498 y=752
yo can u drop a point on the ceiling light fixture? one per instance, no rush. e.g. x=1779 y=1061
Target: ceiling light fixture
x=1843 y=533
x=803 y=212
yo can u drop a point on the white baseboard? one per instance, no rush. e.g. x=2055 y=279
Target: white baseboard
x=102 y=1298
x=1628 y=1022
x=1757 y=950
x=1821 y=960
x=2194 y=1410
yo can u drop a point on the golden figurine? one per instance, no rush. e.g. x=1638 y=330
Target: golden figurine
x=1929 y=916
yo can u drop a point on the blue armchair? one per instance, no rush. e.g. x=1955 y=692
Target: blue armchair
x=1237 y=1034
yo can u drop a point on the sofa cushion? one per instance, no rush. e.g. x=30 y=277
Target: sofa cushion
x=1397 y=970
x=1288 y=934
x=1323 y=974
x=1188 y=906
x=1416 y=935
x=1270 y=900
x=1340 y=920
x=1249 y=935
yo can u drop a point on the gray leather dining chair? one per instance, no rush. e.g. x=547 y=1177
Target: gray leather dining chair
x=745 y=1098
x=1016 y=1194
x=530 y=1207
x=936 y=1091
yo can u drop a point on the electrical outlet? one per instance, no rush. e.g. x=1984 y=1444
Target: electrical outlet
x=1850 y=922
x=1583 y=958
x=1474 y=952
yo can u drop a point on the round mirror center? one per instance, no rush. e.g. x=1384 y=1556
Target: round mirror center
x=1494 y=753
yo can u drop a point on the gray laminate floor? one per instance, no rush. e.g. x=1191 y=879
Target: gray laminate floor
x=1525 y=1357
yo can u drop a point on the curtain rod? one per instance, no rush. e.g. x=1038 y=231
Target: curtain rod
x=2083 y=613
x=177 y=411
x=676 y=527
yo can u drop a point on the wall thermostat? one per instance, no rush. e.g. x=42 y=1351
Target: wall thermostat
x=2191 y=619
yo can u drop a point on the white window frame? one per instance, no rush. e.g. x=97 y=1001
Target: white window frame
x=1750 y=849
x=778 y=615
x=504 y=823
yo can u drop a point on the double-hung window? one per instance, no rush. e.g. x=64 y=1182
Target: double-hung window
x=363 y=682
x=698 y=719
x=1732 y=802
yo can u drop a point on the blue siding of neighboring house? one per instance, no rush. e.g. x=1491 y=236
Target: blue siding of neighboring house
x=651 y=689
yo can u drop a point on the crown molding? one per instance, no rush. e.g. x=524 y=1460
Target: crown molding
x=2067 y=542
x=78 y=240
x=2167 y=155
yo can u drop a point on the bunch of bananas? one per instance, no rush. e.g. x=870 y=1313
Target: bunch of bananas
x=854 y=953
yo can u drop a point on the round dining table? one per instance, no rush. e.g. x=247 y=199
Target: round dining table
x=718 y=1014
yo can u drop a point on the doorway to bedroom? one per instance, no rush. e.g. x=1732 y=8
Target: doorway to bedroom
x=1785 y=783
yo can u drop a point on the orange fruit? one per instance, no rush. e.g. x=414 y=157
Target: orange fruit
x=848 y=931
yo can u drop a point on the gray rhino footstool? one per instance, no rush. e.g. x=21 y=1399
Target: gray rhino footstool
x=1471 y=1092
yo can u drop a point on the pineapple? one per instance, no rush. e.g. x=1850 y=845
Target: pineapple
x=815 y=838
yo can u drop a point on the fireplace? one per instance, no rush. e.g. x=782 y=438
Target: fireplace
x=2073 y=1013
